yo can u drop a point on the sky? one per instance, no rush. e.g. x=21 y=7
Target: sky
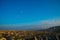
x=19 y=12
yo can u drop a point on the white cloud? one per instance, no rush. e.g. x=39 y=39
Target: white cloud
x=50 y=23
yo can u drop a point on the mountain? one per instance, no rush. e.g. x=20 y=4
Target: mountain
x=29 y=27
x=54 y=28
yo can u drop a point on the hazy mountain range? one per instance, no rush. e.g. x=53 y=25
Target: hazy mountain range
x=36 y=26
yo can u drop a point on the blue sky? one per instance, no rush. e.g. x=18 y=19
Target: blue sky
x=28 y=11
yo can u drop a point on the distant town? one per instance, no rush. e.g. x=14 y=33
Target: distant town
x=48 y=34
